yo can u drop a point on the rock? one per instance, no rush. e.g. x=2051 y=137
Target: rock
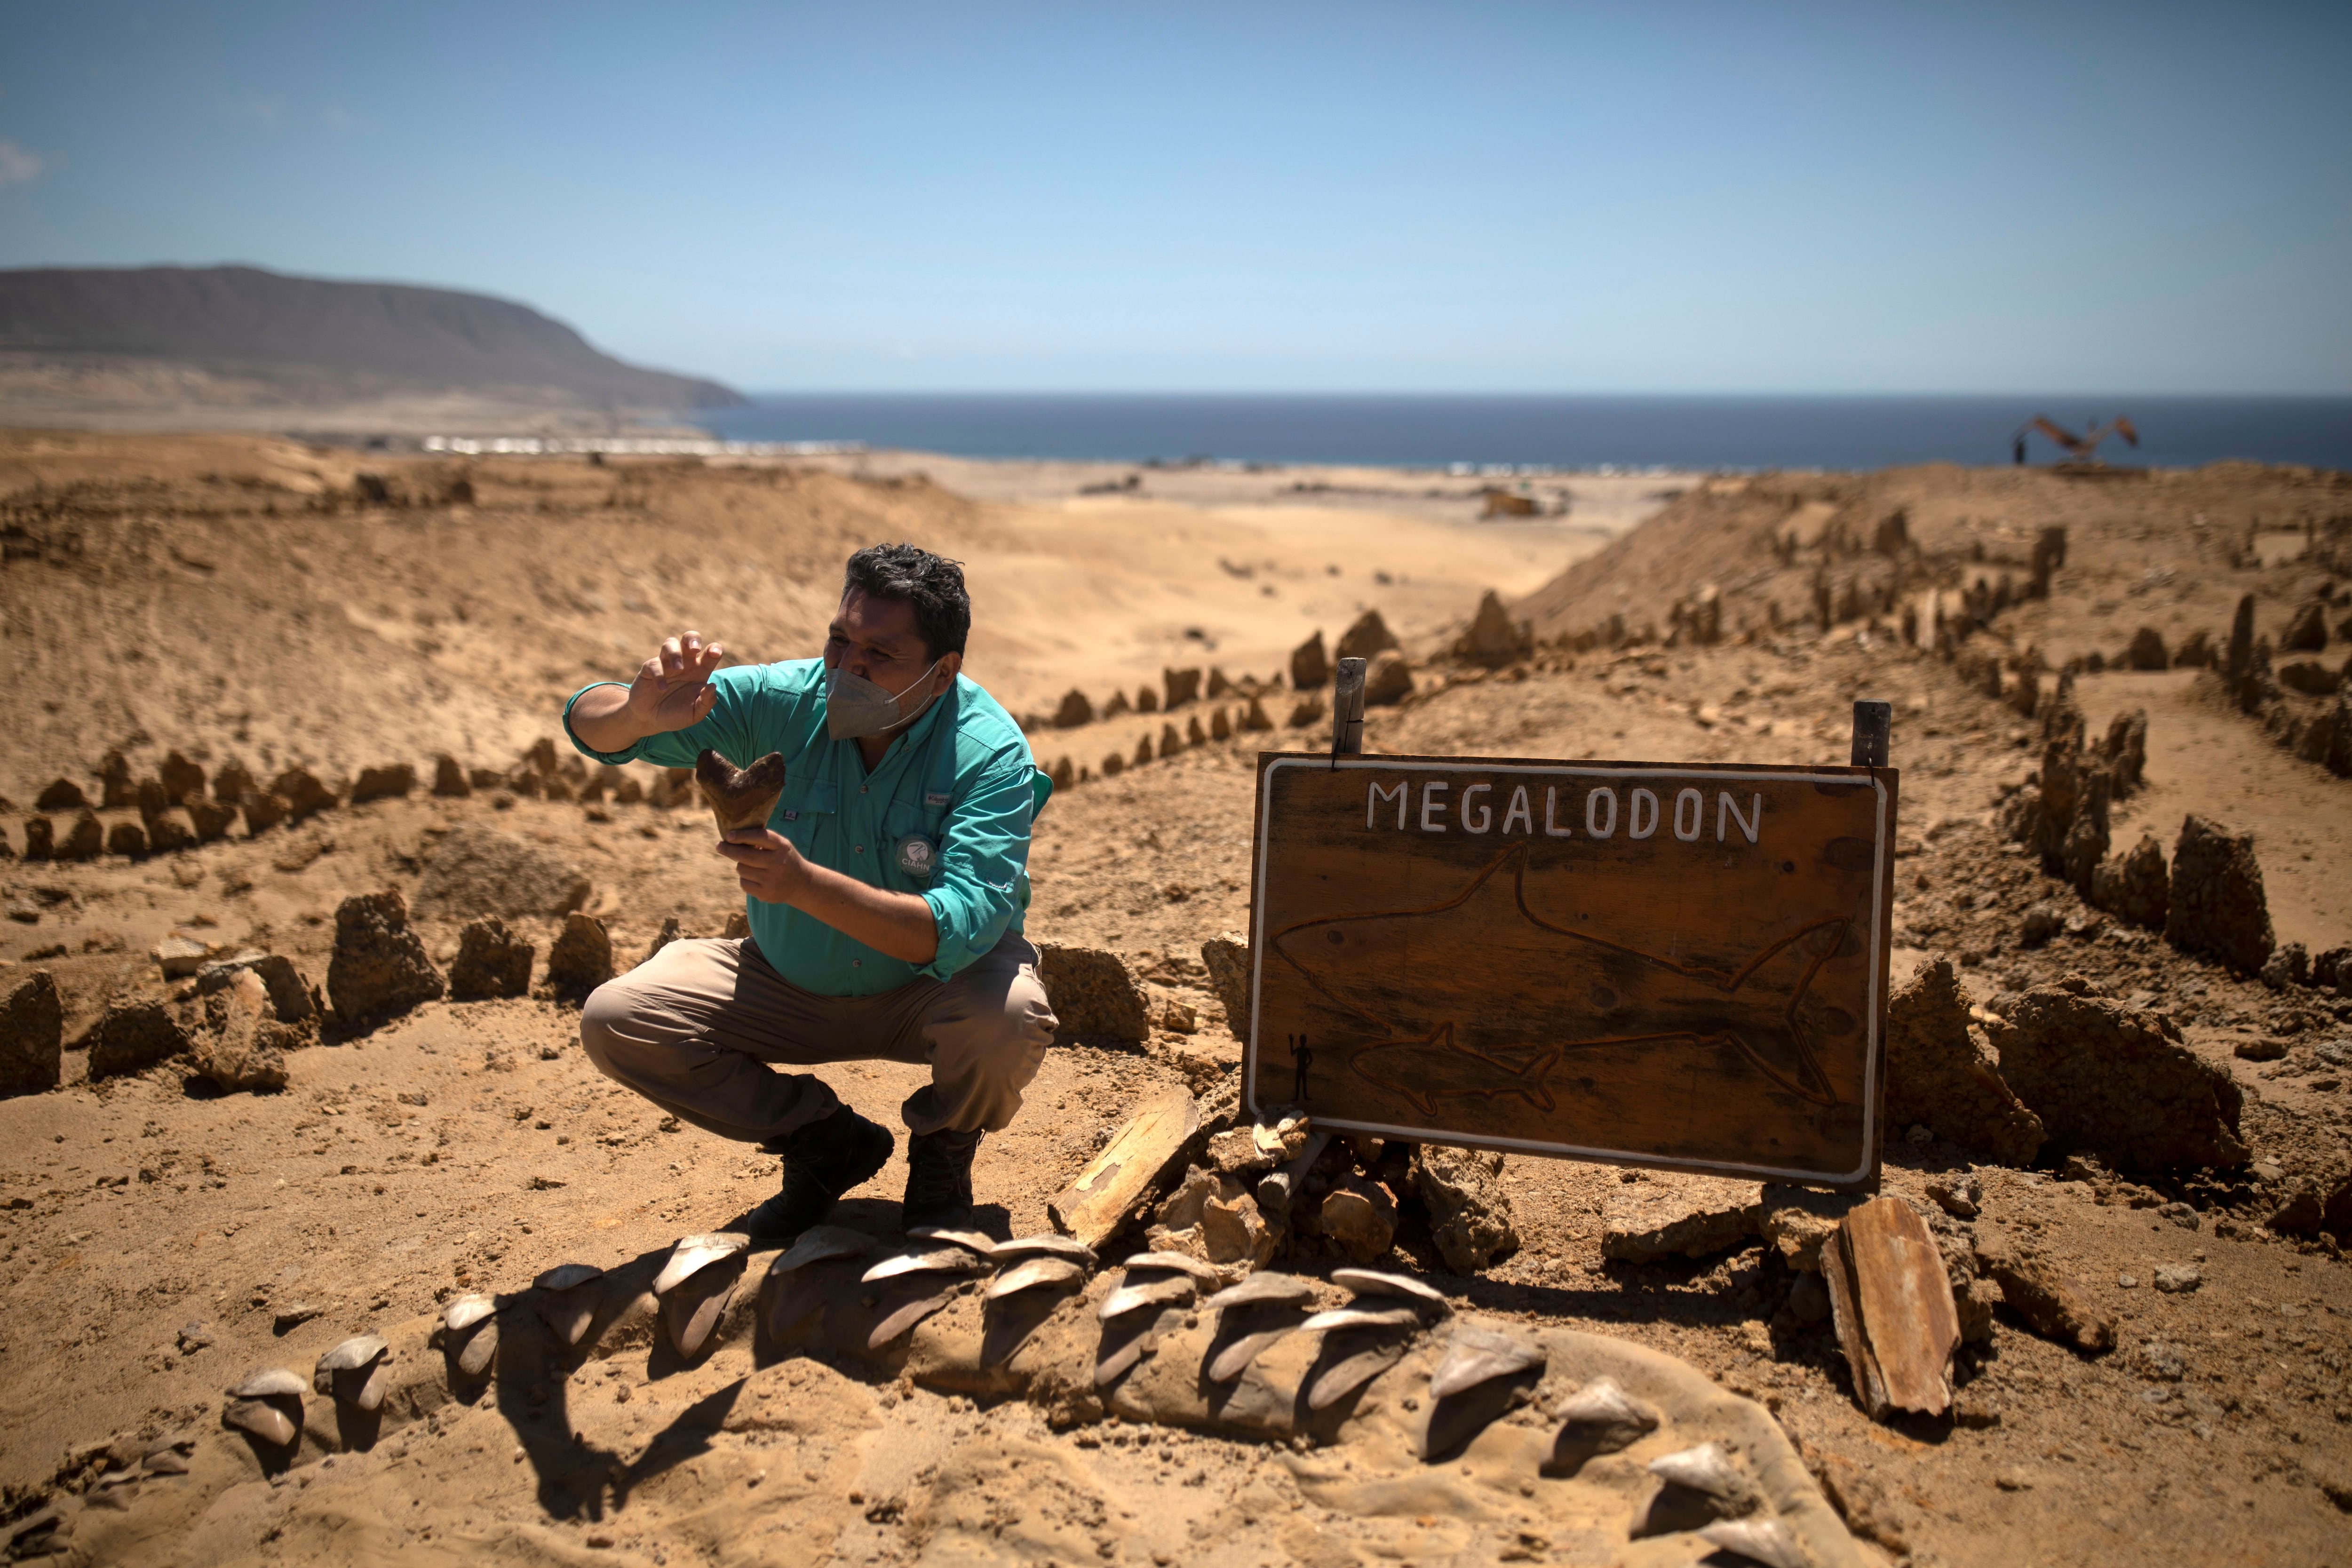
x=1795 y=1222
x=2330 y=968
x=491 y=962
x=1227 y=960
x=379 y=970
x=738 y=927
x=2134 y=887
x=133 y=1035
x=264 y=810
x=1469 y=1212
x=40 y=839
x=580 y=958
x=1369 y=635
x=2147 y=650
x=1183 y=685
x=2112 y=1079
x=1220 y=727
x=126 y=838
x=32 y=1036
x=1940 y=1074
x=211 y=818
x=304 y=793
x=60 y=794
x=1093 y=994
x=2178 y=1278
x=84 y=840
x=1388 y=679
x=2125 y=750
x=1073 y=710
x=1668 y=1215
x=1254 y=721
x=232 y=782
x=1113 y=765
x=2217 y=907
x=474 y=871
x=2336 y=1217
x=179 y=957
x=1232 y=1230
x=1961 y=1197
x=1311 y=667
x=169 y=834
x=2263 y=1050
x=291 y=996
x=386 y=783
x=2288 y=964
x=1306 y=711
x=2307 y=632
x=1974 y=1301
x=2310 y=678
x=2302 y=1213
x=1358 y=1218
x=115 y=787
x=1170 y=743
x=449 y=780
x=2049 y=1306
x=245 y=1046
x=1494 y=639
x=2042 y=923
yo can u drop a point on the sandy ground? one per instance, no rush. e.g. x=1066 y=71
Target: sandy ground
x=200 y=594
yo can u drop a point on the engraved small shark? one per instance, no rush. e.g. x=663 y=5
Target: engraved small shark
x=1541 y=990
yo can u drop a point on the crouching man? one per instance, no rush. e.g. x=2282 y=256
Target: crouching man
x=885 y=896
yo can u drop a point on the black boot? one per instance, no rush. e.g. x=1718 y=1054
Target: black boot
x=939 y=1179
x=824 y=1160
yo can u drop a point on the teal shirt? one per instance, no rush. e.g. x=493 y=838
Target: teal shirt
x=961 y=776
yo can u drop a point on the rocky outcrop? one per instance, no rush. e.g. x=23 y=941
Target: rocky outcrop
x=1075 y=710
x=1940 y=1074
x=2217 y=904
x=2134 y=887
x=1388 y=679
x=1183 y=685
x=1469 y=1212
x=2147 y=651
x=476 y=871
x=1370 y=634
x=1227 y=959
x=380 y=969
x=491 y=962
x=1666 y=1214
x=304 y=792
x=2115 y=1081
x=133 y=1035
x=1311 y=667
x=580 y=959
x=32 y=1036
x=387 y=783
x=1093 y=994
x=449 y=780
x=243 y=1046
x=1493 y=638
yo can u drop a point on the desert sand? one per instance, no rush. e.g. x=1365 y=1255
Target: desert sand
x=254 y=600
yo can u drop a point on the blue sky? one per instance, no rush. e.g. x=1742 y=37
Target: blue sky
x=1669 y=197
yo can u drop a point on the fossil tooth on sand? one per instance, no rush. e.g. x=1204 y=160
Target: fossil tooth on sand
x=268 y=1402
x=1174 y=1263
x=1765 y=1540
x=740 y=797
x=1031 y=1274
x=694 y=1252
x=566 y=1308
x=466 y=1310
x=822 y=1244
x=1701 y=1469
x=1113 y=1364
x=1480 y=1355
x=1261 y=1289
x=481 y=1345
x=1601 y=1418
x=940 y=1260
x=357 y=1372
x=1362 y=1318
x=691 y=1307
x=1236 y=1357
x=1153 y=1293
x=1047 y=1244
x=1345 y=1376
x=970 y=1240
x=267 y=1383
x=906 y=1317
x=1377 y=1282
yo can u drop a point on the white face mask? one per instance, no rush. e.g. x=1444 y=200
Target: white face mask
x=857 y=707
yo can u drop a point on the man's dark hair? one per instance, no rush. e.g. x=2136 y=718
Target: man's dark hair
x=932 y=585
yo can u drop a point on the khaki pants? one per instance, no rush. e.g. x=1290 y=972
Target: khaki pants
x=695 y=1027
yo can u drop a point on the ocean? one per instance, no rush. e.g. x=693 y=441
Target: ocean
x=1545 y=432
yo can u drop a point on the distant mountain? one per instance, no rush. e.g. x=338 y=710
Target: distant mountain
x=245 y=320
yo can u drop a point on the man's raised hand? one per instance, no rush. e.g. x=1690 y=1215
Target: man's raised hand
x=673 y=689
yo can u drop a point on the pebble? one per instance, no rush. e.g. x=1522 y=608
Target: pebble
x=2178 y=1278
x=294 y=1316
x=2127 y=1281
x=2013 y=1482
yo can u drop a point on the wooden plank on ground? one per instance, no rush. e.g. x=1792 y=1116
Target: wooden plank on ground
x=1094 y=1205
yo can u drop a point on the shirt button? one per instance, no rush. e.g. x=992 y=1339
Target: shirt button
x=856 y=963
x=861 y=849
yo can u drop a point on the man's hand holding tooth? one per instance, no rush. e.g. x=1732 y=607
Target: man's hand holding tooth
x=767 y=866
x=770 y=869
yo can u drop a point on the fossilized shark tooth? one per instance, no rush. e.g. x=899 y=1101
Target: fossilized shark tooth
x=940 y=1260
x=1479 y=1355
x=691 y=1309
x=1135 y=1297
x=473 y=1319
x=466 y=1310
x=740 y=797
x=357 y=1372
x=1045 y=1245
x=970 y=1240
x=694 y=1252
x=1258 y=1289
x=1601 y=1418
x=1232 y=1361
x=1701 y=1469
x=1342 y=1378
x=1765 y=1540
x=906 y=1317
x=822 y=1244
x=1362 y=1318
x=1033 y=1273
x=1377 y=1282
x=565 y=1307
x=1112 y=1364
x=259 y=1403
x=1174 y=1263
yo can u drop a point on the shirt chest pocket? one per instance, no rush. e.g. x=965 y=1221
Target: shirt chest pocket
x=807 y=813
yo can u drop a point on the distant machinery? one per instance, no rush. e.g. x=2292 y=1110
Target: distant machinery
x=2080 y=449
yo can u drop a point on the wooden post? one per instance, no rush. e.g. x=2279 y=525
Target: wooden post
x=1873 y=725
x=1347 y=709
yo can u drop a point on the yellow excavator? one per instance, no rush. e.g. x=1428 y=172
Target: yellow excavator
x=2078 y=448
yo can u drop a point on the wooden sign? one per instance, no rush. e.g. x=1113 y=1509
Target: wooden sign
x=1682 y=967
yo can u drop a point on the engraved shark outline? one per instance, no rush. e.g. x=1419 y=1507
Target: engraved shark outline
x=1527 y=1076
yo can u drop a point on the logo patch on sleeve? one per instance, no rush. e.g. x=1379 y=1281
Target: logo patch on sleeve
x=935 y=799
